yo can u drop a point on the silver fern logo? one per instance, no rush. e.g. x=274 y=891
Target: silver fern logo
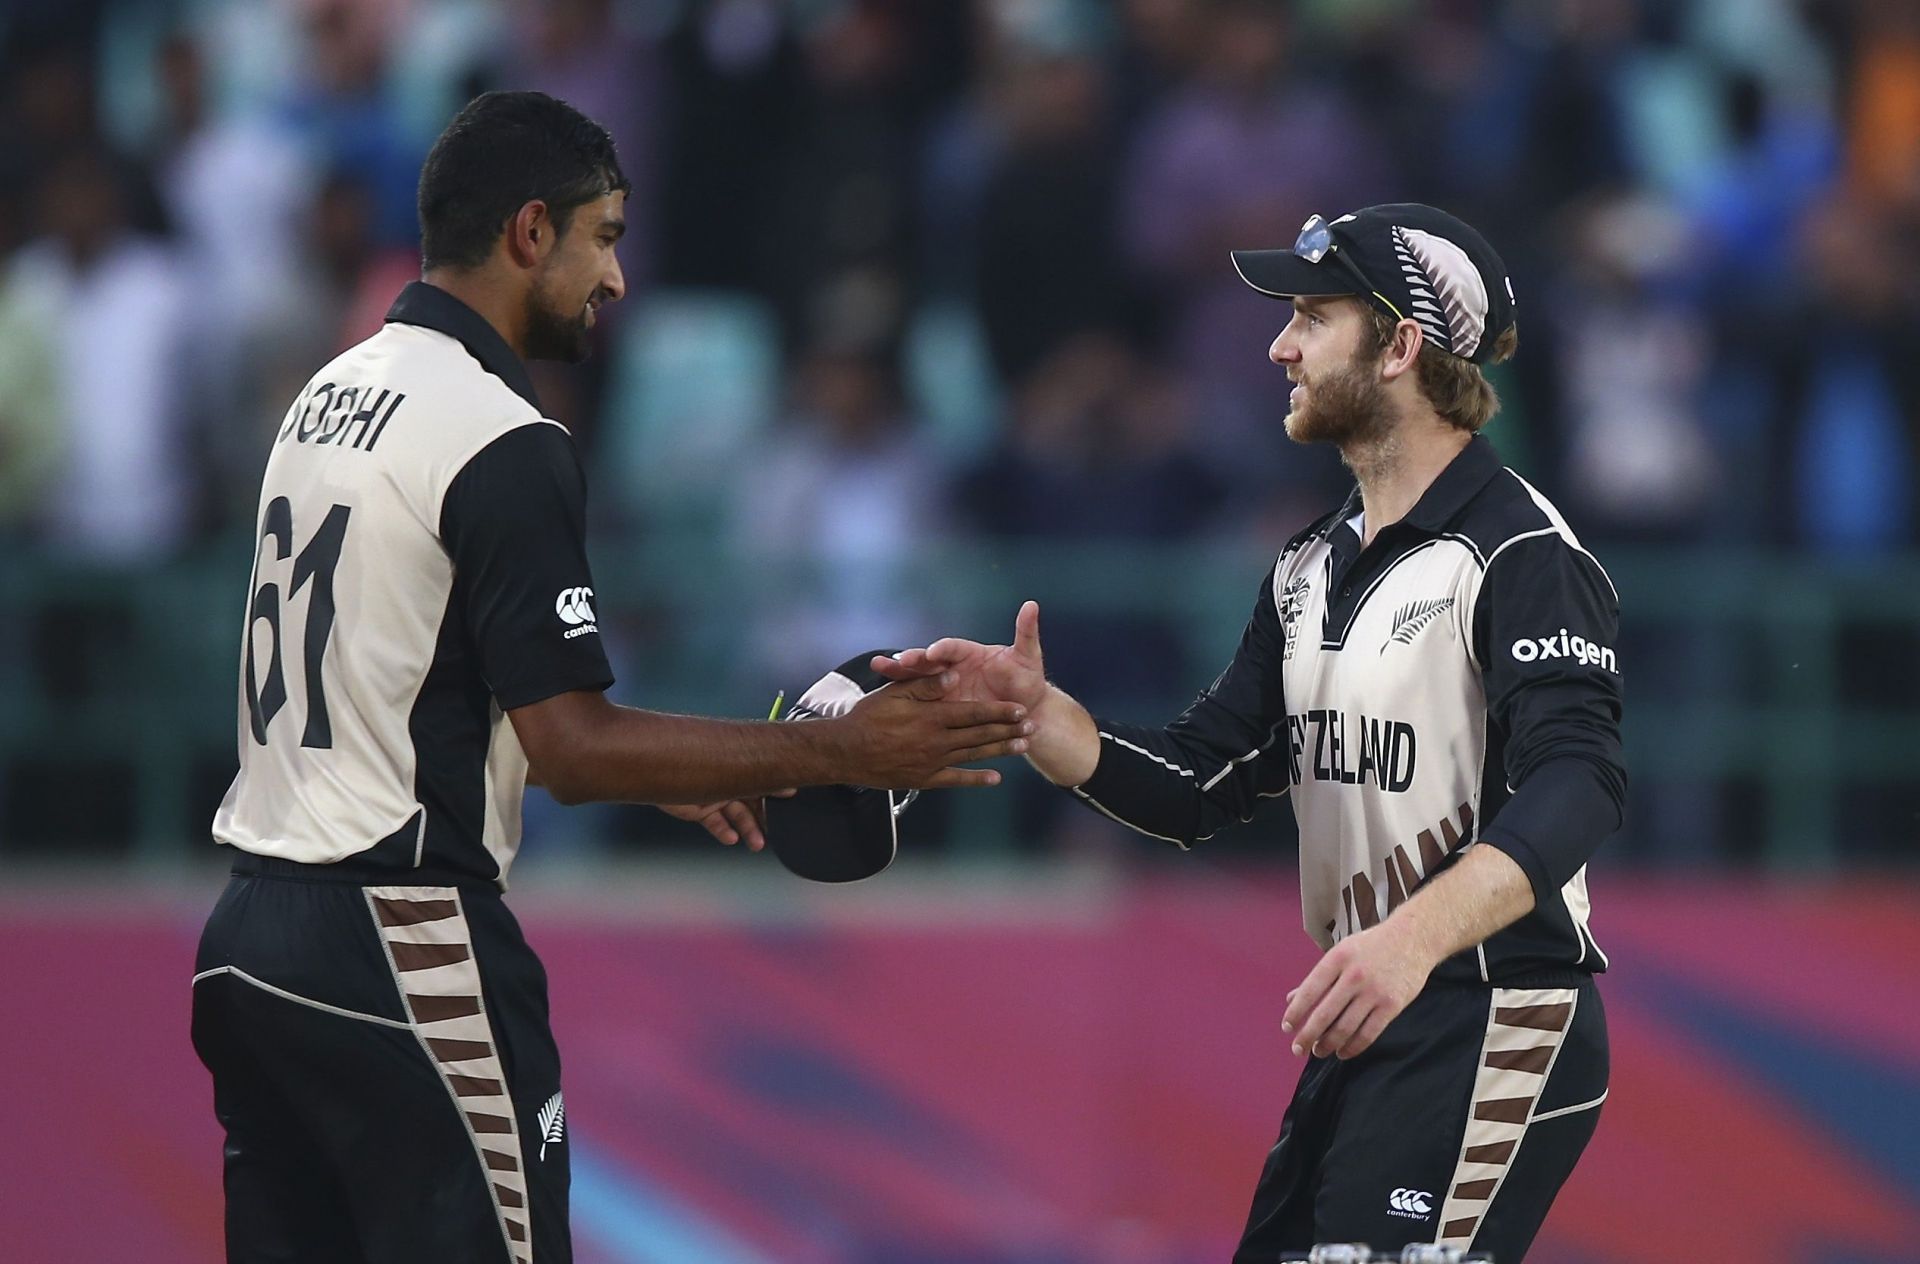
x=1412 y=619
x=553 y=1124
x=1449 y=300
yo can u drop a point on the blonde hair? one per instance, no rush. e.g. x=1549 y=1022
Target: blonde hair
x=1456 y=388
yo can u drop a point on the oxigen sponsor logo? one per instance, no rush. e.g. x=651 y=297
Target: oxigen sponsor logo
x=1530 y=649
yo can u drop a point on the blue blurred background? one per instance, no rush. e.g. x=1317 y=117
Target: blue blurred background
x=930 y=312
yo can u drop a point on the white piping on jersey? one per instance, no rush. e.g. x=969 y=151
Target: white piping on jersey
x=485 y=440
x=1524 y=535
x=1354 y=614
x=1121 y=741
x=1569 y=1110
x=297 y=999
x=1580 y=913
x=1101 y=808
x=1587 y=940
x=1474 y=613
x=1273 y=735
x=1472 y=547
x=1480 y=800
x=1566 y=532
x=1565 y=535
x=1180 y=843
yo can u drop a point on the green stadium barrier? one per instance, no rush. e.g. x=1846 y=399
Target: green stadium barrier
x=1751 y=698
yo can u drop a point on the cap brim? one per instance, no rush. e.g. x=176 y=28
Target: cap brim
x=833 y=833
x=1283 y=274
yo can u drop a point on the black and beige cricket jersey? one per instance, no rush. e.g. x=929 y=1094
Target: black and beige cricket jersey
x=420 y=568
x=1454 y=682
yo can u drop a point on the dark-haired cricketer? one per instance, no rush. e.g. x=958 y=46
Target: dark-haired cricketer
x=422 y=641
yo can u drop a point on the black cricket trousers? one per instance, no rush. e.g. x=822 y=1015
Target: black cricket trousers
x=1458 y=1126
x=384 y=1068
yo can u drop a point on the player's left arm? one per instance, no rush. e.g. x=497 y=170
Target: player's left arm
x=1545 y=630
x=1363 y=982
x=1545 y=627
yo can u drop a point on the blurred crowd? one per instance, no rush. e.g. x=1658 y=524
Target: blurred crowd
x=959 y=267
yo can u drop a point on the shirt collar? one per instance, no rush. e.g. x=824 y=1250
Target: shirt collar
x=431 y=307
x=1448 y=494
x=1443 y=500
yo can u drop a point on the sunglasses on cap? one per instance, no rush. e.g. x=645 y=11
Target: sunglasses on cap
x=1316 y=242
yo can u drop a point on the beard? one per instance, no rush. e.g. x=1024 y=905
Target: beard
x=1343 y=407
x=553 y=334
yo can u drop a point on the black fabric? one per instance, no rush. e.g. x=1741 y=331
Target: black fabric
x=1545 y=632
x=1394 y=1119
x=451 y=727
x=344 y=1144
x=836 y=833
x=356 y=871
x=832 y=833
x=1453 y=491
x=431 y=307
x=514 y=523
x=1368 y=260
x=1241 y=712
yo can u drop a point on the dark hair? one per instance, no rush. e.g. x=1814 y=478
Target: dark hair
x=503 y=150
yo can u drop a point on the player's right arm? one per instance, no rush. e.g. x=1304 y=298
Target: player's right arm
x=587 y=749
x=1182 y=782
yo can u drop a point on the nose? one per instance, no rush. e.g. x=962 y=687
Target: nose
x=1286 y=345
x=1284 y=351
x=614 y=284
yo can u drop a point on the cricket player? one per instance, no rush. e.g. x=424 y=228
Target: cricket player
x=1430 y=673
x=421 y=644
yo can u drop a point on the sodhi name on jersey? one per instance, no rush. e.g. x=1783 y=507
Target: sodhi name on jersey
x=1382 y=755
x=326 y=413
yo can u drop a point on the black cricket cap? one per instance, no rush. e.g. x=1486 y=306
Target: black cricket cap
x=837 y=833
x=1411 y=261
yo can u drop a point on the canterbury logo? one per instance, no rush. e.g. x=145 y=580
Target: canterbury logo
x=1412 y=619
x=1413 y=1202
x=553 y=1124
x=573 y=605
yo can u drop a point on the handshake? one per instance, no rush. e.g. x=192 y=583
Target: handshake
x=898 y=723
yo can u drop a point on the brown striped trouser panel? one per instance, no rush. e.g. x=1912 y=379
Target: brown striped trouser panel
x=1526 y=1028
x=428 y=945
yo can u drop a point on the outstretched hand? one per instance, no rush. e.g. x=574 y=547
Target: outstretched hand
x=912 y=734
x=735 y=821
x=981 y=673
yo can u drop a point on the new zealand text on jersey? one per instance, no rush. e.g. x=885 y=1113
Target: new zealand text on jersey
x=326 y=413
x=1383 y=755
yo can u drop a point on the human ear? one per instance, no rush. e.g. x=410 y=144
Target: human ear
x=530 y=234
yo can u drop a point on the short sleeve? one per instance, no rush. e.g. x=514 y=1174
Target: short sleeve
x=514 y=524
